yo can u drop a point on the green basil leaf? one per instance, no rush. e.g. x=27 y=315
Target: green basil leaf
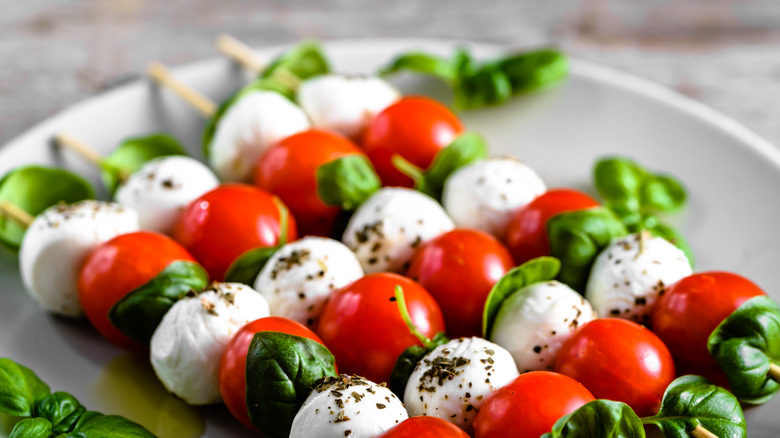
x=745 y=345
x=32 y=428
x=487 y=86
x=423 y=63
x=533 y=271
x=626 y=185
x=305 y=60
x=133 y=153
x=534 y=70
x=139 y=312
x=692 y=401
x=96 y=425
x=61 y=409
x=408 y=360
x=674 y=237
x=663 y=193
x=577 y=237
x=599 y=418
x=347 y=181
x=280 y=370
x=34 y=189
x=20 y=389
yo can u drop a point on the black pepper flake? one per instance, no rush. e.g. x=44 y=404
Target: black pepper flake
x=614 y=312
x=380 y=406
x=392 y=299
x=347 y=432
x=538 y=349
x=640 y=301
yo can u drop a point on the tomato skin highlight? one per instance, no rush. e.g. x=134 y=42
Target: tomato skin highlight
x=362 y=327
x=458 y=269
x=689 y=310
x=529 y=406
x=414 y=127
x=617 y=359
x=526 y=234
x=232 y=366
x=424 y=427
x=289 y=170
x=116 y=268
x=226 y=222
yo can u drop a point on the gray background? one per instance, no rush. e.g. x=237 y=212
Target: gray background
x=54 y=53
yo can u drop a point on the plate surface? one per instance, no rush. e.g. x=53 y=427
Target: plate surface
x=730 y=221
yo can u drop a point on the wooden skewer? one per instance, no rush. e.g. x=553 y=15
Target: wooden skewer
x=247 y=57
x=774 y=372
x=162 y=76
x=79 y=147
x=16 y=214
x=700 y=432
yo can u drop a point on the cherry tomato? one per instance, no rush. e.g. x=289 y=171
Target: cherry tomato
x=362 y=327
x=526 y=234
x=459 y=268
x=689 y=310
x=289 y=170
x=425 y=427
x=232 y=367
x=617 y=359
x=529 y=406
x=226 y=222
x=116 y=268
x=414 y=127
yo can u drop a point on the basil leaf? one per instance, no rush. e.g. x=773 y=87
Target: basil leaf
x=599 y=418
x=304 y=61
x=347 y=182
x=577 y=237
x=20 y=389
x=745 y=345
x=280 y=370
x=61 y=409
x=34 y=189
x=619 y=182
x=534 y=70
x=533 y=271
x=96 y=425
x=133 y=153
x=424 y=63
x=487 y=86
x=408 y=360
x=692 y=401
x=139 y=312
x=32 y=428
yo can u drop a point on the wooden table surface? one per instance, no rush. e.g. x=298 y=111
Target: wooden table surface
x=54 y=53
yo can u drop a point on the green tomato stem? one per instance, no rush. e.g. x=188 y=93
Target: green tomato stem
x=408 y=169
x=283 y=219
x=700 y=432
x=774 y=372
x=15 y=213
x=401 y=303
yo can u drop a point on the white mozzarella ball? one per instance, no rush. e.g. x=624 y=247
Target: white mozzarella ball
x=485 y=194
x=453 y=380
x=345 y=104
x=388 y=227
x=248 y=128
x=163 y=187
x=188 y=344
x=534 y=322
x=347 y=406
x=299 y=277
x=628 y=275
x=56 y=244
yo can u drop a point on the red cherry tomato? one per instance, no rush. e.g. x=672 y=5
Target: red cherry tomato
x=526 y=234
x=416 y=128
x=289 y=170
x=617 y=359
x=226 y=222
x=459 y=268
x=425 y=427
x=362 y=327
x=529 y=406
x=116 y=268
x=689 y=310
x=232 y=367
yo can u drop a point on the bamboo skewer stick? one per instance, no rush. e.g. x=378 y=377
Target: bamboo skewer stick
x=774 y=372
x=162 y=76
x=238 y=51
x=16 y=214
x=79 y=147
x=700 y=432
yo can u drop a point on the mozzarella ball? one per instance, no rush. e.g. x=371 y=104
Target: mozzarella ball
x=188 y=344
x=347 y=406
x=58 y=241
x=485 y=194
x=388 y=227
x=534 y=322
x=163 y=187
x=250 y=126
x=302 y=274
x=631 y=272
x=345 y=104
x=453 y=380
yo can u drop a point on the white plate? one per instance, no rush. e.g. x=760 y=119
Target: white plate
x=731 y=220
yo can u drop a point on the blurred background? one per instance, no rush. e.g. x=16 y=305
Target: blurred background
x=725 y=53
